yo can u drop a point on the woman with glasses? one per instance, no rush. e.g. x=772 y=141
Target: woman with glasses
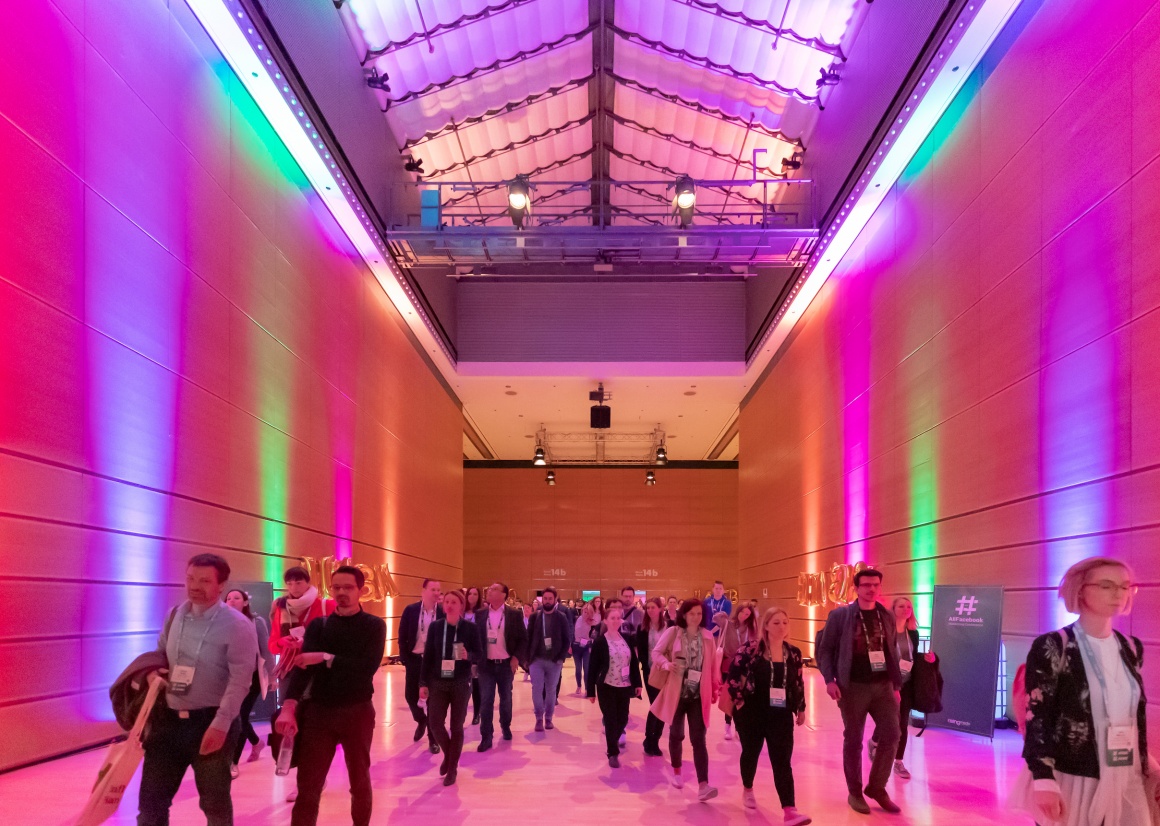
x=1086 y=749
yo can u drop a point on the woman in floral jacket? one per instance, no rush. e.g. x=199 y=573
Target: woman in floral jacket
x=1086 y=746
x=765 y=684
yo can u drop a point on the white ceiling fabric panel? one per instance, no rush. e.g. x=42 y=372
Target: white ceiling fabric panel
x=470 y=98
x=535 y=155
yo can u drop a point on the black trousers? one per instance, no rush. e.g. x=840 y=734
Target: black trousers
x=875 y=700
x=495 y=676
x=413 y=663
x=320 y=731
x=445 y=696
x=614 y=702
x=654 y=726
x=690 y=708
x=173 y=745
x=773 y=728
x=905 y=706
x=248 y=733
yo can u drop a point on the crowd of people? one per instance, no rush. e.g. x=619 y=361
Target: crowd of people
x=1086 y=747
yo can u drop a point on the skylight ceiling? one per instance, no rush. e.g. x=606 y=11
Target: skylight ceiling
x=577 y=93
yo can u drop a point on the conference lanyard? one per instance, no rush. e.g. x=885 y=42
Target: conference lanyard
x=493 y=633
x=181 y=676
x=423 y=626
x=448 y=666
x=1121 y=740
x=544 y=628
x=716 y=604
x=776 y=693
x=877 y=656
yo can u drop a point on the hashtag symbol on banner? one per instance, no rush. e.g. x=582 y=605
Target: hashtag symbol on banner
x=966 y=605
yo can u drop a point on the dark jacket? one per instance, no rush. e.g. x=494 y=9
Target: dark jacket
x=128 y=691
x=644 y=651
x=598 y=665
x=1060 y=726
x=515 y=636
x=926 y=685
x=558 y=629
x=356 y=643
x=434 y=653
x=748 y=674
x=836 y=652
x=409 y=631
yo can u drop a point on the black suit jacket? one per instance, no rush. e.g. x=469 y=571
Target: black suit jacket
x=434 y=652
x=558 y=630
x=598 y=665
x=409 y=631
x=515 y=636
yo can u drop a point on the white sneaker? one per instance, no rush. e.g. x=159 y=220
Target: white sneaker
x=748 y=798
x=677 y=781
x=900 y=770
x=728 y=731
x=290 y=798
x=705 y=792
x=795 y=818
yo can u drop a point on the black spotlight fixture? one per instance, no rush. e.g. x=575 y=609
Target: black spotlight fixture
x=662 y=455
x=828 y=77
x=650 y=478
x=794 y=161
x=551 y=478
x=600 y=416
x=519 y=200
x=413 y=164
x=539 y=459
x=684 y=200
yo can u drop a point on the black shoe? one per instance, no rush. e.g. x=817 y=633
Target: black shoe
x=475 y=720
x=420 y=731
x=858 y=804
x=433 y=747
x=449 y=778
x=539 y=725
x=445 y=765
x=613 y=761
x=883 y=800
x=484 y=745
x=653 y=751
x=548 y=724
x=507 y=734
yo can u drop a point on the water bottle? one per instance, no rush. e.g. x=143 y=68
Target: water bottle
x=285 y=753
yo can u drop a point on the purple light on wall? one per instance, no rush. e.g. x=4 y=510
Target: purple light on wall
x=856 y=436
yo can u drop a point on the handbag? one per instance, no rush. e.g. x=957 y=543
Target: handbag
x=658 y=677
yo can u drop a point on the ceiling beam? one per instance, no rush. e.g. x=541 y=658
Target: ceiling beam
x=601 y=94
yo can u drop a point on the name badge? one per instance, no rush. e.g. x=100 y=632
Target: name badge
x=777 y=698
x=904 y=666
x=448 y=668
x=458 y=652
x=547 y=643
x=180 y=679
x=492 y=639
x=693 y=676
x=624 y=671
x=877 y=660
x=1121 y=749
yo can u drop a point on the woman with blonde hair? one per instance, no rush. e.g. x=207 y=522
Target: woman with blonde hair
x=1086 y=747
x=587 y=624
x=453 y=645
x=765 y=685
x=906 y=649
x=740 y=629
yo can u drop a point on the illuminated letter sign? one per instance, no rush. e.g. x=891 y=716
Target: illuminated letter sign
x=378 y=586
x=833 y=586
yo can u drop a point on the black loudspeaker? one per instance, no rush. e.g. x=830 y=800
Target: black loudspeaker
x=601 y=416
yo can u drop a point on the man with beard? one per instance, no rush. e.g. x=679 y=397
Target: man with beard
x=549 y=643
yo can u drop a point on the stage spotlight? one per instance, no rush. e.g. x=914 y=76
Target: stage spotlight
x=794 y=161
x=519 y=201
x=650 y=478
x=662 y=455
x=539 y=460
x=551 y=478
x=685 y=200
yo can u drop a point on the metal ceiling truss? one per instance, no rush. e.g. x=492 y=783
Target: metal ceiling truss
x=476 y=73
x=644 y=193
x=652 y=131
x=503 y=150
x=710 y=65
x=490 y=114
x=601 y=102
x=598 y=443
x=628 y=157
x=766 y=26
x=502 y=212
x=492 y=187
x=440 y=29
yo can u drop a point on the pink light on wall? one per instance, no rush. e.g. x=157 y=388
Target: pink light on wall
x=856 y=438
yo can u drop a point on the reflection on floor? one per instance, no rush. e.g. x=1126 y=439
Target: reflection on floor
x=957 y=779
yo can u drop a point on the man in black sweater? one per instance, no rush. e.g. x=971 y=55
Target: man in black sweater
x=339 y=658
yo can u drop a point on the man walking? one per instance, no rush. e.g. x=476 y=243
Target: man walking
x=502 y=637
x=417 y=618
x=212 y=651
x=714 y=605
x=549 y=641
x=857 y=659
x=339 y=658
x=633 y=615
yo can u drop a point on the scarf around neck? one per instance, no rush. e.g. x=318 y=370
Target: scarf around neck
x=299 y=607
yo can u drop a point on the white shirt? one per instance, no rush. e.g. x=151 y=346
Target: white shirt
x=495 y=621
x=426 y=618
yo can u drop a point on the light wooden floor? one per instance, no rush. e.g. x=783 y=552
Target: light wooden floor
x=562 y=774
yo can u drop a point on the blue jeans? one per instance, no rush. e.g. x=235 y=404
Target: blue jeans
x=493 y=677
x=545 y=678
x=580 y=655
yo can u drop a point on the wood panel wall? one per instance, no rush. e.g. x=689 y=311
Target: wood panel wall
x=973 y=397
x=600 y=528
x=191 y=359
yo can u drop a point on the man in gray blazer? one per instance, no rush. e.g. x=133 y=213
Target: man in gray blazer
x=857 y=658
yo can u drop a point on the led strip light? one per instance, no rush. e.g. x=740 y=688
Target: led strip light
x=969 y=39
x=232 y=30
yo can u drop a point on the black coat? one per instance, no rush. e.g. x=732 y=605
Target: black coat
x=515 y=636
x=558 y=629
x=926 y=685
x=434 y=652
x=598 y=665
x=643 y=652
x=409 y=631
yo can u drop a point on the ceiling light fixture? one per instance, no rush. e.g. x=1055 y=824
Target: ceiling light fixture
x=551 y=478
x=650 y=478
x=538 y=459
x=519 y=200
x=968 y=43
x=684 y=200
x=662 y=455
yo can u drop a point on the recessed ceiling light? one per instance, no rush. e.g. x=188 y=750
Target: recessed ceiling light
x=509 y=393
x=690 y=392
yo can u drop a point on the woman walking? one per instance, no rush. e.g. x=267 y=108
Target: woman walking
x=687 y=655
x=587 y=625
x=906 y=642
x=1085 y=749
x=671 y=607
x=613 y=679
x=239 y=600
x=474 y=603
x=765 y=685
x=738 y=631
x=445 y=679
x=647 y=637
